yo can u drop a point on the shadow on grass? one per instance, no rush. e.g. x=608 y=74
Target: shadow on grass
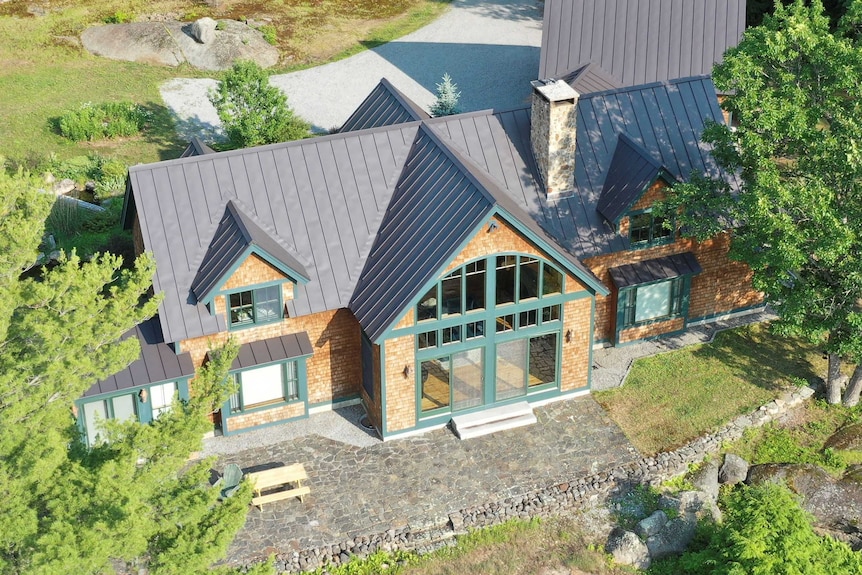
x=763 y=358
x=163 y=131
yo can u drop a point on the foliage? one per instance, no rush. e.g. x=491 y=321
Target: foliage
x=764 y=532
x=270 y=34
x=254 y=112
x=800 y=443
x=119 y=17
x=633 y=505
x=108 y=120
x=795 y=93
x=133 y=498
x=692 y=391
x=447 y=98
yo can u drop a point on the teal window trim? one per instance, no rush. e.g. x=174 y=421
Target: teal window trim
x=143 y=409
x=235 y=404
x=680 y=291
x=253 y=303
x=657 y=234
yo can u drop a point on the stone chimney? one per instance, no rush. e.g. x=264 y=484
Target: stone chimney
x=552 y=134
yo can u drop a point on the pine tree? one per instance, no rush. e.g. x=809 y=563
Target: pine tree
x=447 y=98
x=135 y=499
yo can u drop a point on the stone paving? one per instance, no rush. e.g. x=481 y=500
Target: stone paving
x=412 y=481
x=361 y=485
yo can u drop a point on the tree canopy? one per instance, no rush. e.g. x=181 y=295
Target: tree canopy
x=133 y=499
x=253 y=111
x=795 y=94
x=448 y=96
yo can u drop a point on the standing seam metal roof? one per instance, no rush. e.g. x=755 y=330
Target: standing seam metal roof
x=384 y=106
x=325 y=197
x=664 y=268
x=639 y=41
x=632 y=169
x=374 y=214
x=157 y=362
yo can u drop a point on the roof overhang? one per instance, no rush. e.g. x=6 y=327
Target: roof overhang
x=655 y=270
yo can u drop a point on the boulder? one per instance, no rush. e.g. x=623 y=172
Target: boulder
x=651 y=525
x=627 y=549
x=835 y=503
x=203 y=30
x=848 y=437
x=674 y=538
x=706 y=478
x=733 y=471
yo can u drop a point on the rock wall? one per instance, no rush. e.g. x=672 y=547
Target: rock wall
x=577 y=494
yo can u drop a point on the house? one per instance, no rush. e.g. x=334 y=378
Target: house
x=425 y=267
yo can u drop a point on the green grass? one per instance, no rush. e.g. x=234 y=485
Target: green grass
x=672 y=398
x=801 y=440
x=44 y=72
x=515 y=548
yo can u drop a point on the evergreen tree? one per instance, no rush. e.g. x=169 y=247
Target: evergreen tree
x=447 y=98
x=253 y=111
x=796 y=95
x=134 y=498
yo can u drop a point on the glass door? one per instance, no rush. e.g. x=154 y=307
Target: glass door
x=468 y=378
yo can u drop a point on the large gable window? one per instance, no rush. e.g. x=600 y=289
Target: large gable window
x=262 y=386
x=252 y=307
x=647 y=229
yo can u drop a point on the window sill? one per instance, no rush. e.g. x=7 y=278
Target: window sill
x=652 y=321
x=242 y=326
x=264 y=407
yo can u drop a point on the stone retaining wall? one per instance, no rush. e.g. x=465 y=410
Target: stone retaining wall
x=574 y=494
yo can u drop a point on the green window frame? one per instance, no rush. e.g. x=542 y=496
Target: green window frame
x=254 y=306
x=654 y=306
x=256 y=389
x=646 y=229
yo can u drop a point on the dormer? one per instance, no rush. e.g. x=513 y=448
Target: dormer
x=247 y=273
x=634 y=182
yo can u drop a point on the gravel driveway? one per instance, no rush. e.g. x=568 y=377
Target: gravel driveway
x=489 y=47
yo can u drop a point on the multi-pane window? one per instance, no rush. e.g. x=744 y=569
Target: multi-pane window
x=518 y=279
x=121 y=408
x=646 y=229
x=255 y=306
x=161 y=397
x=653 y=301
x=266 y=385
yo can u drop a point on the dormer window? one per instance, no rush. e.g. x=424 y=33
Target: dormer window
x=646 y=229
x=254 y=307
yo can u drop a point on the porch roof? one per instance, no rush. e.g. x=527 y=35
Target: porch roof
x=278 y=348
x=669 y=267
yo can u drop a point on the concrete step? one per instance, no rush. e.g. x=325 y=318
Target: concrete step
x=493 y=420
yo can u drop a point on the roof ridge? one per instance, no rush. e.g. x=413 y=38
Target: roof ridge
x=418 y=112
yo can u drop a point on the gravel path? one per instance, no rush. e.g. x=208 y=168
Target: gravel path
x=489 y=47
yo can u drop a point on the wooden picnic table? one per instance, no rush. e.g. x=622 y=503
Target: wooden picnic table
x=280 y=478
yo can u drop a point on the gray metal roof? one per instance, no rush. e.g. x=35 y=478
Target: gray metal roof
x=196 y=147
x=157 y=362
x=372 y=215
x=384 y=106
x=236 y=233
x=664 y=119
x=273 y=349
x=436 y=205
x=639 y=41
x=589 y=78
x=665 y=268
x=325 y=197
x=631 y=171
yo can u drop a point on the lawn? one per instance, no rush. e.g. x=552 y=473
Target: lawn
x=44 y=71
x=516 y=548
x=672 y=398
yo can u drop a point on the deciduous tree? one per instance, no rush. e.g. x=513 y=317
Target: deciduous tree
x=254 y=112
x=795 y=94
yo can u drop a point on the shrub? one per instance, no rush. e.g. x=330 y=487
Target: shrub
x=765 y=531
x=108 y=120
x=269 y=33
x=119 y=17
x=254 y=112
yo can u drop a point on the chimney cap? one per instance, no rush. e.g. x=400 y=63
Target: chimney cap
x=555 y=90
